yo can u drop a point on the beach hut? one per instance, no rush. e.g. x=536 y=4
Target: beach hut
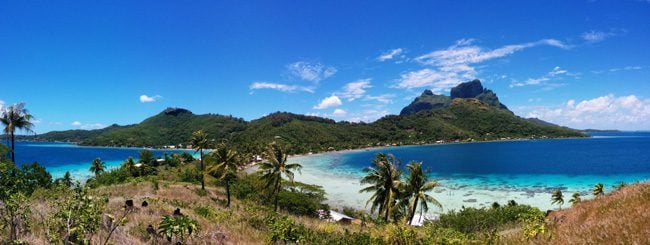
x=340 y=218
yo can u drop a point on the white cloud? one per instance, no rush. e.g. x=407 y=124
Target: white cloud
x=146 y=99
x=2 y=104
x=384 y=98
x=331 y=101
x=390 y=54
x=606 y=112
x=339 y=113
x=595 y=36
x=86 y=126
x=355 y=90
x=454 y=64
x=369 y=115
x=280 y=87
x=557 y=73
x=313 y=72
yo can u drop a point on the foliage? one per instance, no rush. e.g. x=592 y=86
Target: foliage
x=177 y=228
x=112 y=177
x=14 y=212
x=301 y=199
x=599 y=190
x=415 y=187
x=557 y=198
x=97 y=166
x=383 y=179
x=200 y=142
x=224 y=164
x=15 y=117
x=475 y=220
x=575 y=198
x=146 y=157
x=77 y=216
x=284 y=229
x=191 y=174
x=274 y=168
x=533 y=223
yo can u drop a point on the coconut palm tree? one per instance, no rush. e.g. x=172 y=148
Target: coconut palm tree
x=274 y=167
x=575 y=198
x=383 y=179
x=97 y=166
x=224 y=163
x=16 y=117
x=416 y=186
x=599 y=190
x=199 y=142
x=557 y=198
x=129 y=164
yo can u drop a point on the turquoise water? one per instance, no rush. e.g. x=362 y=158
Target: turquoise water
x=61 y=157
x=526 y=170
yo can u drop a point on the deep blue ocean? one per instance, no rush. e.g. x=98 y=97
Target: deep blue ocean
x=58 y=158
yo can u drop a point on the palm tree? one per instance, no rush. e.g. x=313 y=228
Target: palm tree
x=599 y=190
x=383 y=179
x=557 y=197
x=274 y=167
x=225 y=164
x=16 y=117
x=97 y=166
x=416 y=187
x=129 y=164
x=199 y=142
x=575 y=198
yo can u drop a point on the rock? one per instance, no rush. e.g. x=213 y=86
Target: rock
x=467 y=90
x=145 y=204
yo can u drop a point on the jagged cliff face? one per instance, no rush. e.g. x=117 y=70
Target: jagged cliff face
x=469 y=90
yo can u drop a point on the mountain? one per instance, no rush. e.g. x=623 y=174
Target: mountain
x=471 y=113
x=469 y=90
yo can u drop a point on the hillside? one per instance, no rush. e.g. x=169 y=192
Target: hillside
x=470 y=113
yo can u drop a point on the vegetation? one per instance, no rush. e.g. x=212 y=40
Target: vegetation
x=97 y=167
x=557 y=198
x=599 y=190
x=15 y=117
x=274 y=168
x=199 y=142
x=225 y=164
x=383 y=179
x=575 y=198
x=416 y=187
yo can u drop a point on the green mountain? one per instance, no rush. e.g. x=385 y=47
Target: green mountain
x=472 y=113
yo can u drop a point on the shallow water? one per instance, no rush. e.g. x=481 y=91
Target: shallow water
x=477 y=174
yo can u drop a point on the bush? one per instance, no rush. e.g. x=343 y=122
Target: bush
x=191 y=175
x=474 y=220
x=112 y=177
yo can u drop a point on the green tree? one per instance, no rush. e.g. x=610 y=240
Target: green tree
x=66 y=180
x=77 y=216
x=599 y=190
x=416 y=186
x=97 y=167
x=575 y=198
x=383 y=179
x=35 y=176
x=274 y=168
x=199 y=142
x=224 y=165
x=557 y=198
x=177 y=227
x=146 y=157
x=129 y=164
x=13 y=212
x=16 y=117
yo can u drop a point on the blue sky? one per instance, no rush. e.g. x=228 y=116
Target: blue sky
x=88 y=64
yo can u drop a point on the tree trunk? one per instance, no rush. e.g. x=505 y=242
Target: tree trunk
x=202 y=177
x=13 y=147
x=277 y=193
x=415 y=206
x=228 y=192
x=387 y=207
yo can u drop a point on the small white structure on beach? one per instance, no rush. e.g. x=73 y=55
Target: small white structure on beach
x=418 y=220
x=335 y=216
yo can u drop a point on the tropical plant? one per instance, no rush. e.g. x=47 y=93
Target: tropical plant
x=16 y=117
x=66 y=180
x=224 y=164
x=274 y=168
x=129 y=164
x=416 y=186
x=575 y=198
x=177 y=227
x=146 y=157
x=77 y=217
x=620 y=186
x=557 y=198
x=383 y=179
x=97 y=167
x=199 y=142
x=599 y=190
x=14 y=212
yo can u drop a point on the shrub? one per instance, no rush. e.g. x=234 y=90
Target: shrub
x=191 y=175
x=474 y=220
x=112 y=177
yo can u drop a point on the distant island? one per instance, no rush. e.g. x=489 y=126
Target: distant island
x=471 y=113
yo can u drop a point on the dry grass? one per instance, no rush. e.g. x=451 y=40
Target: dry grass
x=621 y=217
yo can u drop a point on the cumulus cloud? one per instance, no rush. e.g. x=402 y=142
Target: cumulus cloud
x=86 y=126
x=308 y=71
x=455 y=64
x=606 y=112
x=146 y=99
x=339 y=113
x=76 y=123
x=328 y=102
x=595 y=36
x=355 y=90
x=384 y=98
x=390 y=54
x=280 y=87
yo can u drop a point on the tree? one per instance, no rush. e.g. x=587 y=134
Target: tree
x=199 y=142
x=129 y=164
x=599 y=190
x=224 y=164
x=416 y=187
x=274 y=167
x=13 y=212
x=383 y=179
x=97 y=166
x=171 y=227
x=67 y=179
x=575 y=198
x=76 y=217
x=146 y=157
x=557 y=198
x=16 y=117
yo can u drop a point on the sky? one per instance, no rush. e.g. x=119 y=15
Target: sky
x=89 y=64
